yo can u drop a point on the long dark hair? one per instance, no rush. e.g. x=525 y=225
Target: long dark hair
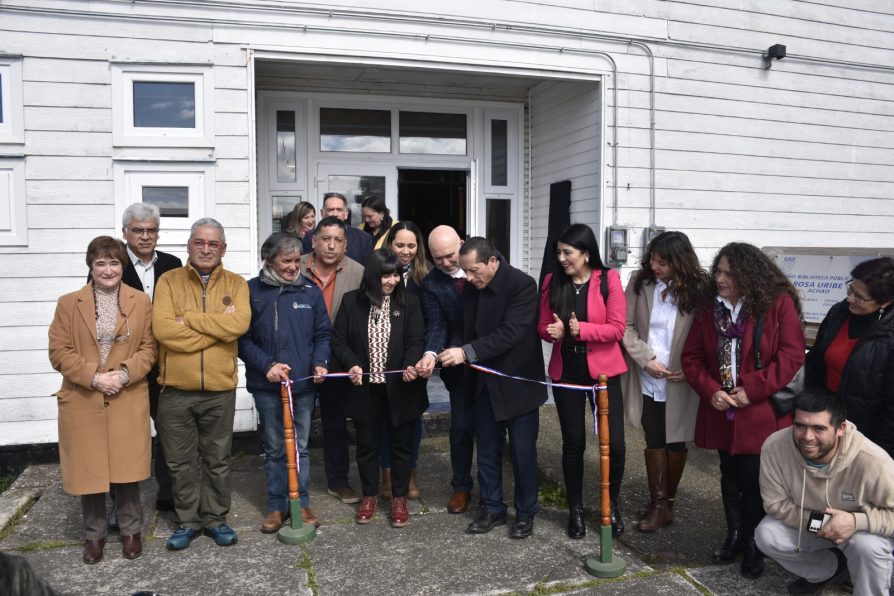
x=757 y=277
x=561 y=294
x=381 y=262
x=690 y=283
x=420 y=266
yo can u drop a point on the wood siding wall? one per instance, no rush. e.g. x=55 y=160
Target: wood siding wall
x=799 y=154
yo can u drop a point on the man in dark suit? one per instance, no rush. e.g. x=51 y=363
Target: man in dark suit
x=146 y=265
x=441 y=295
x=500 y=331
x=358 y=243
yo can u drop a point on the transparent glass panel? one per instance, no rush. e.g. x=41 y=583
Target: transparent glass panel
x=499 y=152
x=282 y=206
x=1 y=99
x=354 y=188
x=164 y=105
x=367 y=131
x=285 y=146
x=432 y=133
x=499 y=218
x=172 y=201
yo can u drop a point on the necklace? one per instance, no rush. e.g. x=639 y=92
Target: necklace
x=579 y=287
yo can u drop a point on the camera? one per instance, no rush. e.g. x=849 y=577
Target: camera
x=816 y=521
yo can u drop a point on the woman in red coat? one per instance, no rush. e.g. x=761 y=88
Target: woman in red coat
x=735 y=412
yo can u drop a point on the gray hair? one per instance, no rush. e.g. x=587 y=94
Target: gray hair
x=210 y=222
x=279 y=242
x=140 y=212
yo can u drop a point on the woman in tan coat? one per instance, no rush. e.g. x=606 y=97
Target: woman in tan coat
x=662 y=297
x=101 y=341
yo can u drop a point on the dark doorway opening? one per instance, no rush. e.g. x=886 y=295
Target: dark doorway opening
x=430 y=198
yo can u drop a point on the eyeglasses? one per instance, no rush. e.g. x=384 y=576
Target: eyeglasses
x=851 y=293
x=126 y=336
x=212 y=245
x=144 y=231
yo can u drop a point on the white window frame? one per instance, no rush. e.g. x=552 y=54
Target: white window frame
x=198 y=177
x=125 y=134
x=512 y=152
x=12 y=127
x=13 y=232
x=299 y=107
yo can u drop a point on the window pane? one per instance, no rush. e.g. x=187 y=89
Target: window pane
x=1 y=98
x=499 y=151
x=164 y=105
x=354 y=188
x=282 y=206
x=172 y=201
x=433 y=133
x=355 y=130
x=499 y=216
x=285 y=146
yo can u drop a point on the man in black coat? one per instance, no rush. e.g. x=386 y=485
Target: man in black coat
x=500 y=331
x=146 y=265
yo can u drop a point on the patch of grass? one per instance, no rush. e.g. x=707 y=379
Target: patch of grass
x=552 y=494
x=45 y=545
x=6 y=481
x=308 y=567
x=563 y=587
x=16 y=517
x=681 y=571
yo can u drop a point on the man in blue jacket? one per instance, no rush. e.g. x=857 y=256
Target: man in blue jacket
x=288 y=340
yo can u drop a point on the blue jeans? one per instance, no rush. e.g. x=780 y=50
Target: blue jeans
x=269 y=406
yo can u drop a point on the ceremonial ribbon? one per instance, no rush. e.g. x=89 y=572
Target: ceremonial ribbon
x=491 y=371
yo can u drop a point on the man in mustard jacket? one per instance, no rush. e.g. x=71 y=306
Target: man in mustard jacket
x=200 y=310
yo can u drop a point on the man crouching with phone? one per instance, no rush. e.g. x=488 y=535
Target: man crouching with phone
x=829 y=496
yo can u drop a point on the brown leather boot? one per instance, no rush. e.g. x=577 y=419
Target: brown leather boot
x=676 y=462
x=413 y=490
x=656 y=470
x=385 y=484
x=273 y=521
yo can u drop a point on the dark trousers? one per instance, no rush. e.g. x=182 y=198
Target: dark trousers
x=369 y=425
x=571 y=407
x=654 y=421
x=743 y=472
x=491 y=434
x=130 y=513
x=197 y=437
x=162 y=475
x=462 y=428
x=335 y=432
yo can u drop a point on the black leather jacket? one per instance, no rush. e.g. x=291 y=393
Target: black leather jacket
x=867 y=384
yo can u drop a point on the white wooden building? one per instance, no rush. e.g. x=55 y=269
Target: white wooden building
x=659 y=112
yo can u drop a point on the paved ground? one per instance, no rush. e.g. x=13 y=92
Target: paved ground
x=430 y=556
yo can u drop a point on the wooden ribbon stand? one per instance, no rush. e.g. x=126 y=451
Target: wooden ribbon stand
x=296 y=532
x=606 y=565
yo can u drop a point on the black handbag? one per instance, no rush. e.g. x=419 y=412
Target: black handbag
x=784 y=399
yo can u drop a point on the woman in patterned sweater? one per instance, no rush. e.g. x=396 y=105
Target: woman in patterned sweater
x=378 y=339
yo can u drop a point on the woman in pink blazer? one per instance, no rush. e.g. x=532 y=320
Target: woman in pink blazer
x=586 y=332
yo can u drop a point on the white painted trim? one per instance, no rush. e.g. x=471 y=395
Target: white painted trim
x=12 y=127
x=125 y=134
x=253 y=227
x=131 y=177
x=512 y=147
x=13 y=206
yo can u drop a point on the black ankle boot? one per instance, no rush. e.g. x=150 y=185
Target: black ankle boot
x=731 y=547
x=576 y=527
x=752 y=559
x=617 y=521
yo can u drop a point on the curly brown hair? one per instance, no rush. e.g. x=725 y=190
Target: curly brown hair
x=757 y=277
x=690 y=283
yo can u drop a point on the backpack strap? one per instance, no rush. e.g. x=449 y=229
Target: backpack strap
x=603 y=284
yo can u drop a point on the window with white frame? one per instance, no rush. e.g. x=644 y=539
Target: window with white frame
x=501 y=152
x=183 y=192
x=12 y=128
x=162 y=105
x=13 y=220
